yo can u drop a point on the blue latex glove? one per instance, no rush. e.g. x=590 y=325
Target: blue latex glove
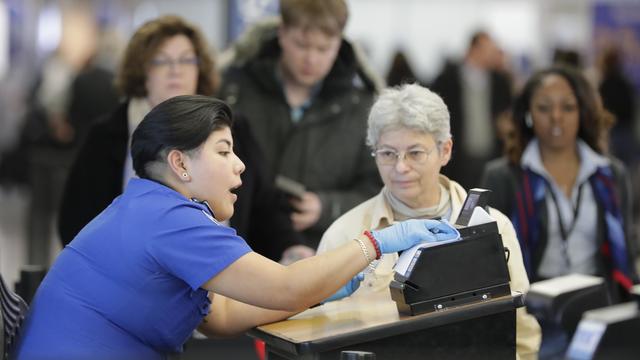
x=405 y=234
x=346 y=290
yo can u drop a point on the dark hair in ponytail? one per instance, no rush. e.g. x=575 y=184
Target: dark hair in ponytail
x=181 y=123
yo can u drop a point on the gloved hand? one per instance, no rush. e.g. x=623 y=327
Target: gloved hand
x=405 y=234
x=346 y=290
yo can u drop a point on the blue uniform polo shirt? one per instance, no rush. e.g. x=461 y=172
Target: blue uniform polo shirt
x=128 y=285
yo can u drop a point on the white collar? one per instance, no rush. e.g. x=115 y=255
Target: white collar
x=474 y=76
x=590 y=160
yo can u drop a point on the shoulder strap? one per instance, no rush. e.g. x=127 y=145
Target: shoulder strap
x=614 y=248
x=525 y=216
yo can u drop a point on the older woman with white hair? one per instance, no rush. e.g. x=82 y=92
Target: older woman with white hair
x=409 y=133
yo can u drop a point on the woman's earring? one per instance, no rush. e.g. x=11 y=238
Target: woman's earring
x=184 y=175
x=528 y=120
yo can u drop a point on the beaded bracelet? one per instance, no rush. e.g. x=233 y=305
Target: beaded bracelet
x=373 y=240
x=364 y=250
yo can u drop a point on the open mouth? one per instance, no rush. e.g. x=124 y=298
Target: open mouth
x=234 y=189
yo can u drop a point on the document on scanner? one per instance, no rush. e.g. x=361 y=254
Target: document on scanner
x=407 y=257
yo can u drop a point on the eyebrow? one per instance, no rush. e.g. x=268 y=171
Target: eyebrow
x=183 y=53
x=225 y=141
x=408 y=147
x=547 y=100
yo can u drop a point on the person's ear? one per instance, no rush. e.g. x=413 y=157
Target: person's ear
x=445 y=151
x=176 y=160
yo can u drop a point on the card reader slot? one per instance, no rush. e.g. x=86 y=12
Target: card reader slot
x=412 y=285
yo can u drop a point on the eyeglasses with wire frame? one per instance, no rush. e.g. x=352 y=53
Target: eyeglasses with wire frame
x=168 y=63
x=415 y=156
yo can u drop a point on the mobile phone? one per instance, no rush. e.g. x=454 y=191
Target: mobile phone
x=290 y=186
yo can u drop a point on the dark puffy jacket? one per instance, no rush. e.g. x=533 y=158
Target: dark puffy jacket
x=325 y=150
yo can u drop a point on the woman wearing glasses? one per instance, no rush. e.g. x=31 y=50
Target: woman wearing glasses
x=409 y=133
x=157 y=263
x=167 y=57
x=164 y=58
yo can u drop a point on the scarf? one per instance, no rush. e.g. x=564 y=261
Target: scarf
x=403 y=212
x=137 y=110
x=530 y=198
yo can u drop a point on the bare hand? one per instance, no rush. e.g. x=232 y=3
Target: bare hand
x=61 y=130
x=307 y=211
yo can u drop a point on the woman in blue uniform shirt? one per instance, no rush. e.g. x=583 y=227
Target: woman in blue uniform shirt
x=156 y=264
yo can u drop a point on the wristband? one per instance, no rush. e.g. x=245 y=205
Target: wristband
x=373 y=240
x=364 y=250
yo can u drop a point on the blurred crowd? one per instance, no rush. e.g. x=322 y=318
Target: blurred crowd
x=51 y=117
x=302 y=105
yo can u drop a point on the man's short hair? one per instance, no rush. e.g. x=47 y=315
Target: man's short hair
x=328 y=16
x=476 y=37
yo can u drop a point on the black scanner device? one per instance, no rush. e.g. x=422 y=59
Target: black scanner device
x=451 y=274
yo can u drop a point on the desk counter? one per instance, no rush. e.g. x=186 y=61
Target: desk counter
x=374 y=323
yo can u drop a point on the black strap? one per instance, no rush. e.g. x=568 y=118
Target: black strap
x=576 y=211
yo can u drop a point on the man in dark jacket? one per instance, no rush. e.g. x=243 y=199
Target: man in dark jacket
x=306 y=93
x=478 y=98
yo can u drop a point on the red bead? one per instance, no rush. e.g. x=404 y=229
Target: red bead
x=369 y=235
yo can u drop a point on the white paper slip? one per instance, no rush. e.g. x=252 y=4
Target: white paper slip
x=480 y=216
x=406 y=259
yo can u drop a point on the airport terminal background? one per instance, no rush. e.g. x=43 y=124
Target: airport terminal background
x=426 y=34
